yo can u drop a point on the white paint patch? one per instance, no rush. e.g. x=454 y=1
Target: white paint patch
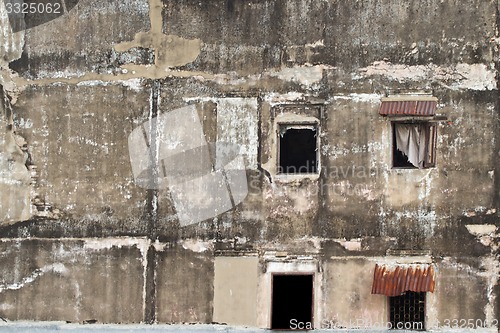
x=459 y=77
x=5 y=306
x=360 y=98
x=134 y=84
x=476 y=77
x=305 y=75
x=22 y=123
x=196 y=246
x=67 y=74
x=98 y=244
x=481 y=229
x=396 y=72
x=318 y=43
x=160 y=247
x=351 y=245
x=56 y=268
x=491 y=266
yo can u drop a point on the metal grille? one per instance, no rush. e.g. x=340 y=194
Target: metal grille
x=408 y=311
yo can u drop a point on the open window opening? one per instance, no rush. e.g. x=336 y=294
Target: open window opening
x=407 y=311
x=292 y=302
x=298 y=149
x=414 y=145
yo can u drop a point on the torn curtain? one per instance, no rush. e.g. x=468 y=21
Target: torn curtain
x=411 y=141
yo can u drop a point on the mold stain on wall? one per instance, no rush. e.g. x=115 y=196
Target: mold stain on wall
x=78 y=233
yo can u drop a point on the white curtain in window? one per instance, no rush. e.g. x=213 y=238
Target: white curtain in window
x=410 y=140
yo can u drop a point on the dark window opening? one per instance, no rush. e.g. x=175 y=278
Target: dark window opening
x=407 y=312
x=292 y=302
x=297 y=150
x=414 y=145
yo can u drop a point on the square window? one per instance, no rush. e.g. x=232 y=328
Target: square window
x=414 y=145
x=298 y=149
x=407 y=312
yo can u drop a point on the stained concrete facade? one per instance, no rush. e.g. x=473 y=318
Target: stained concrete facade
x=82 y=241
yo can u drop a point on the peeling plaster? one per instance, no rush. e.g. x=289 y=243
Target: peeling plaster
x=11 y=44
x=461 y=76
x=360 y=98
x=15 y=178
x=98 y=244
x=351 y=245
x=305 y=75
x=196 y=245
x=481 y=229
x=170 y=50
x=135 y=84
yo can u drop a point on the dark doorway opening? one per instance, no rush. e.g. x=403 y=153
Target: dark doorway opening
x=408 y=311
x=297 y=150
x=292 y=302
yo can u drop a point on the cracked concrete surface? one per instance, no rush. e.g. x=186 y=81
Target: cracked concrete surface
x=80 y=241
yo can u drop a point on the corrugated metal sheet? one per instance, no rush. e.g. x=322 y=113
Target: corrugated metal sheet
x=394 y=281
x=408 y=107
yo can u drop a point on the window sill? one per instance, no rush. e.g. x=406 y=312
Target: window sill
x=288 y=178
x=408 y=168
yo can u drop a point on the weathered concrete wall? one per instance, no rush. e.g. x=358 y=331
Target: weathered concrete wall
x=72 y=280
x=15 y=200
x=70 y=100
x=79 y=144
x=185 y=283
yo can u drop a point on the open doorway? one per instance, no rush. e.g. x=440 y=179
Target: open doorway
x=292 y=301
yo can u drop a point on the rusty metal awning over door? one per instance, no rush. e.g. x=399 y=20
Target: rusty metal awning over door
x=408 y=106
x=395 y=280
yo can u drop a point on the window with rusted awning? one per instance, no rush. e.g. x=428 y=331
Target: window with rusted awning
x=398 y=279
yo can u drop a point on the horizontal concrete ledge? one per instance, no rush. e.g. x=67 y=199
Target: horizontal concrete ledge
x=27 y=326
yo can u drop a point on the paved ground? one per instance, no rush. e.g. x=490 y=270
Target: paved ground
x=43 y=327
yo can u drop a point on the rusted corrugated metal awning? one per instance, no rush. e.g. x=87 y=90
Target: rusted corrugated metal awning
x=394 y=281
x=407 y=106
